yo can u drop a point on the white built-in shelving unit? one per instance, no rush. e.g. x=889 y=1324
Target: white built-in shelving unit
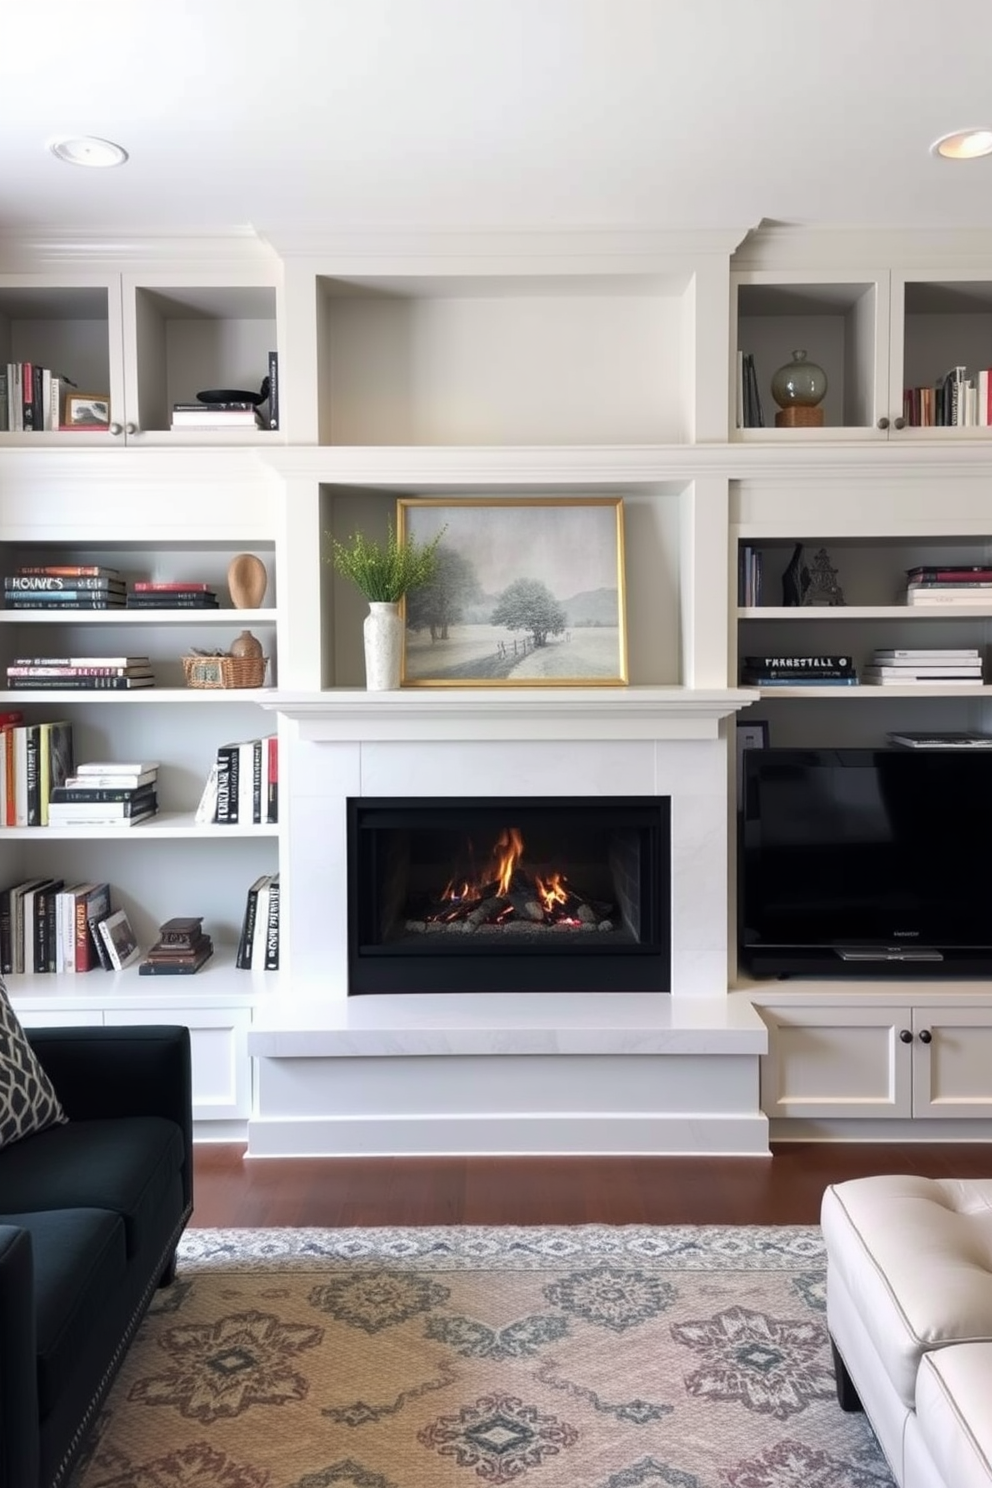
x=523 y=364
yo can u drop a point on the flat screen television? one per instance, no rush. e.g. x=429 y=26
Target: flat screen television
x=865 y=862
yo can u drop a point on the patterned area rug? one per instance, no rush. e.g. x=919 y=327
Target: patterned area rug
x=587 y=1357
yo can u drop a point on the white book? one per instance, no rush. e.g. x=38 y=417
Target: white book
x=973 y=596
x=931 y=653
x=921 y=682
x=120 y=940
x=116 y=767
x=246 y=788
x=925 y=669
x=206 y=811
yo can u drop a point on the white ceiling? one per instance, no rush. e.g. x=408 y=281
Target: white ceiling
x=325 y=115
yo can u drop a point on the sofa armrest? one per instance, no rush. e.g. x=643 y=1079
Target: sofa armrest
x=138 y=1070
x=18 y=1370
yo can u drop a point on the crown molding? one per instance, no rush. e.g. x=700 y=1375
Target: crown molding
x=586 y=246
x=36 y=251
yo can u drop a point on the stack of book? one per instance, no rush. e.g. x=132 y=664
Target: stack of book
x=950 y=584
x=231 y=415
x=79 y=673
x=799 y=671
x=71 y=587
x=921 y=668
x=177 y=594
x=106 y=794
x=180 y=950
x=35 y=760
x=258 y=945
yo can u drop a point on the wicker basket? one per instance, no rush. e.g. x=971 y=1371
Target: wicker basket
x=225 y=671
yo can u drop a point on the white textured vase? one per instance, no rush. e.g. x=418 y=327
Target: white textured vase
x=383 y=647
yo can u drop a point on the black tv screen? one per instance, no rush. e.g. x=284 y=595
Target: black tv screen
x=880 y=853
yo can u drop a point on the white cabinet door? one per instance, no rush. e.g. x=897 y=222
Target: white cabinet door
x=837 y=1062
x=221 y=1066
x=952 y=1061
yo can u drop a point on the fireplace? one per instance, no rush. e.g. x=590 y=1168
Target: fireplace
x=556 y=894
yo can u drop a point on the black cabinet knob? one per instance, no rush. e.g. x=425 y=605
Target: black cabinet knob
x=926 y=1036
x=899 y=423
x=905 y=1035
x=883 y=422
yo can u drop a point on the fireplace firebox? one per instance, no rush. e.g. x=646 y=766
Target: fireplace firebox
x=560 y=894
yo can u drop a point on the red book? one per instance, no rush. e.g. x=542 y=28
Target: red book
x=272 y=778
x=149 y=586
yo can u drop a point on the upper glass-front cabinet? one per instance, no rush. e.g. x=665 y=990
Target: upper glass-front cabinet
x=907 y=354
x=121 y=351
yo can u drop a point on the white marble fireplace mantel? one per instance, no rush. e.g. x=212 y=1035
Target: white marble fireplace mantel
x=507 y=1072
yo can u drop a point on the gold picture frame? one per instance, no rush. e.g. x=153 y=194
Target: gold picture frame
x=529 y=592
x=87 y=411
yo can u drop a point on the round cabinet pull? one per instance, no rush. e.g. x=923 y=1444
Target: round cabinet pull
x=883 y=422
x=905 y=1035
x=117 y=428
x=131 y=428
x=926 y=1036
x=898 y=423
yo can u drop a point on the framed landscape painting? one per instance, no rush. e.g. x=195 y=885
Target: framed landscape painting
x=528 y=593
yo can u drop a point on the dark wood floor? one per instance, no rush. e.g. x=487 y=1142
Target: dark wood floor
x=786 y=1188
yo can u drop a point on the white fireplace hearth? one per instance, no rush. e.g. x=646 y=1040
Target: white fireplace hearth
x=506 y=1072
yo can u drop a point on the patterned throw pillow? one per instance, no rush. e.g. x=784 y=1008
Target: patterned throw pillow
x=28 y=1102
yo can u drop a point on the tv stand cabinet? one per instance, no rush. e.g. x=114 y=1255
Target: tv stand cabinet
x=892 y=1061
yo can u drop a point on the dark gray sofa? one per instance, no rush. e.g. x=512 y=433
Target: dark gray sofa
x=90 y=1215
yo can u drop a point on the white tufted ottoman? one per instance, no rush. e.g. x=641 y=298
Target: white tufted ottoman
x=909 y=1307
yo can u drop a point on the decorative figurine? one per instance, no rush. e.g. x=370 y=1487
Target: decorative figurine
x=823 y=588
x=795 y=579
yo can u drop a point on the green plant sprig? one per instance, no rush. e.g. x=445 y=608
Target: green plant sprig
x=385 y=571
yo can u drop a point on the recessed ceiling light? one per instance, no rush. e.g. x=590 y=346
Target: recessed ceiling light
x=87 y=150
x=963 y=144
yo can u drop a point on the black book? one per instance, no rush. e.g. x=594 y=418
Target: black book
x=180 y=929
x=65 y=600
x=128 y=794
x=272 y=927
x=176 y=600
x=243 y=959
x=59 y=583
x=273 y=390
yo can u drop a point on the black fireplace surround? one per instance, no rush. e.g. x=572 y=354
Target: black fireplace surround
x=539 y=894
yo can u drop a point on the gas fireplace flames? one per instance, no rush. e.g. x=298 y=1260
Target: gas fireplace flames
x=506 y=894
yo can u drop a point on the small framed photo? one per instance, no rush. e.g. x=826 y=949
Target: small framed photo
x=119 y=939
x=87 y=411
x=750 y=735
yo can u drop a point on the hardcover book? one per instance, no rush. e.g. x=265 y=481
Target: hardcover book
x=120 y=940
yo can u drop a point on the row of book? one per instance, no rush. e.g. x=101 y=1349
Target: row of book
x=242 y=787
x=35 y=760
x=954 y=401
x=79 y=673
x=30 y=397
x=258 y=944
x=952 y=584
x=47 y=925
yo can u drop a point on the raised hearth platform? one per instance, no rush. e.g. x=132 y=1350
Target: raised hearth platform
x=507 y=1073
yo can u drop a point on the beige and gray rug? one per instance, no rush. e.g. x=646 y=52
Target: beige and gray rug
x=587 y=1357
